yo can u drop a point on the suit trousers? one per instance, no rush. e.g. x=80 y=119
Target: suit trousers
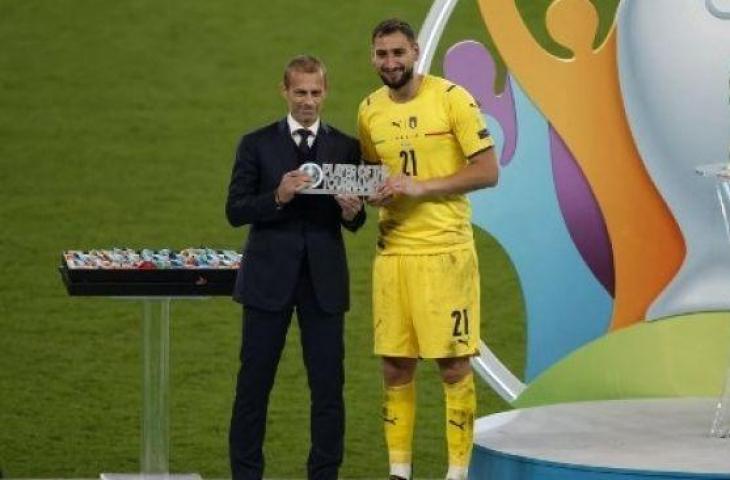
x=264 y=335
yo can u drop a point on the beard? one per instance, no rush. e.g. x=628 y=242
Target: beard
x=395 y=85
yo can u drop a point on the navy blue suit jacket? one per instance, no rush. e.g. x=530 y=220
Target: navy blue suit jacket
x=305 y=229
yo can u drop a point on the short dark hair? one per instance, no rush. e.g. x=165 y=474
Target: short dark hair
x=306 y=64
x=393 y=25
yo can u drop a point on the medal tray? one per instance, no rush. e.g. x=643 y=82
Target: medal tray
x=171 y=282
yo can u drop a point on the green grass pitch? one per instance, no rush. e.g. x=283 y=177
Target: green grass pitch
x=118 y=122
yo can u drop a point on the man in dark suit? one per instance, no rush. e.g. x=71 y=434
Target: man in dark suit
x=294 y=259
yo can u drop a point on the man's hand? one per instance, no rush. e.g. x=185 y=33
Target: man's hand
x=290 y=184
x=397 y=185
x=350 y=205
x=406 y=185
x=383 y=195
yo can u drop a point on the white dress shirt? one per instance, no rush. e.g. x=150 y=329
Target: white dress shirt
x=294 y=126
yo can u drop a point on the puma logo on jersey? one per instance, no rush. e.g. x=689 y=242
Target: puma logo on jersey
x=460 y=426
x=392 y=421
x=395 y=124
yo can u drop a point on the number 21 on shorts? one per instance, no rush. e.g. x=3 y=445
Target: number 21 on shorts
x=461 y=322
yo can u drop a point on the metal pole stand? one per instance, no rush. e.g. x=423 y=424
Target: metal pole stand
x=155 y=433
x=720 y=172
x=721 y=423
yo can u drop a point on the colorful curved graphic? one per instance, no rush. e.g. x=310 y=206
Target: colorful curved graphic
x=530 y=226
x=598 y=197
x=582 y=215
x=581 y=98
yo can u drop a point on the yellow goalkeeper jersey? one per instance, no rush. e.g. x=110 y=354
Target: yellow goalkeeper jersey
x=430 y=136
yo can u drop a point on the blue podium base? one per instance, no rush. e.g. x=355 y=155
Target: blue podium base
x=651 y=439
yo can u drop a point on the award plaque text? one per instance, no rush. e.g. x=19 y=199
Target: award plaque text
x=343 y=178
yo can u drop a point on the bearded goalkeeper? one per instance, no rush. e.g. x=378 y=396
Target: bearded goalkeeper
x=432 y=136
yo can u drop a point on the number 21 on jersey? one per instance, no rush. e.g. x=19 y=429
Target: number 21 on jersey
x=410 y=165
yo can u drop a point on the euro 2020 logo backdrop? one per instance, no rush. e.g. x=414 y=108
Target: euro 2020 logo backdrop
x=599 y=206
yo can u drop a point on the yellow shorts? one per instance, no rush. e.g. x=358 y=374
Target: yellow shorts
x=426 y=305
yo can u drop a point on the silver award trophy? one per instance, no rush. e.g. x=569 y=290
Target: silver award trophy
x=344 y=178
